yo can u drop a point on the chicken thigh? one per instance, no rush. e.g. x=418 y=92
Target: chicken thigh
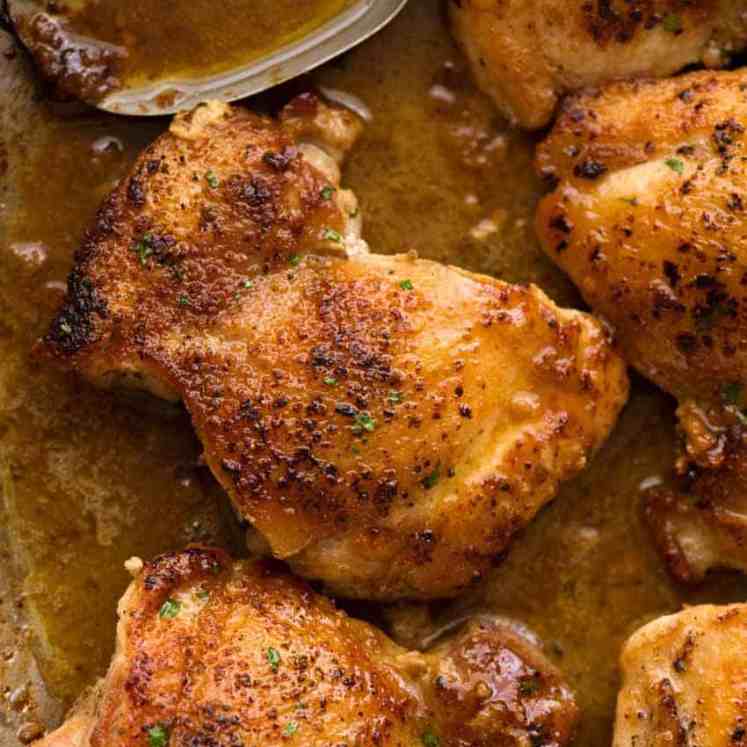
x=685 y=681
x=648 y=218
x=526 y=54
x=222 y=653
x=387 y=424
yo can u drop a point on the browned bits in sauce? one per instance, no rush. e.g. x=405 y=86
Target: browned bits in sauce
x=92 y=48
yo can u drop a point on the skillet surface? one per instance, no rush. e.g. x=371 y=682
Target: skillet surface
x=90 y=479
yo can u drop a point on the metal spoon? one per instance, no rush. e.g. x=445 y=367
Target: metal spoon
x=360 y=20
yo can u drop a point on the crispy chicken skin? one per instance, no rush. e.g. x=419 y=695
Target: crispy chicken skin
x=648 y=220
x=386 y=424
x=684 y=680
x=526 y=54
x=222 y=653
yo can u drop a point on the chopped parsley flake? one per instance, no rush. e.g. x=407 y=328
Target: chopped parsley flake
x=675 y=164
x=431 y=480
x=290 y=729
x=429 y=739
x=65 y=328
x=203 y=595
x=143 y=248
x=248 y=284
x=169 y=609
x=294 y=260
x=529 y=685
x=329 y=234
x=672 y=23
x=327 y=193
x=706 y=317
x=406 y=284
x=212 y=179
x=158 y=736
x=183 y=300
x=215 y=568
x=731 y=394
x=394 y=397
x=273 y=656
x=330 y=380
x=364 y=422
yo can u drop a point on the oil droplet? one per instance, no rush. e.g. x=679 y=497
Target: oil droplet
x=654 y=481
x=33 y=253
x=107 y=144
x=442 y=93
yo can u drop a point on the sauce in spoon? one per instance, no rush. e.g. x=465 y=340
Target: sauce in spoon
x=90 y=48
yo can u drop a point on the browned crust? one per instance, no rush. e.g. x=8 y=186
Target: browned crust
x=245 y=214
x=671 y=286
x=214 y=653
x=617 y=21
x=329 y=405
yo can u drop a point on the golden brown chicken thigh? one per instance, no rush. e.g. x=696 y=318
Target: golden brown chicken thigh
x=648 y=218
x=217 y=653
x=386 y=424
x=526 y=54
x=685 y=680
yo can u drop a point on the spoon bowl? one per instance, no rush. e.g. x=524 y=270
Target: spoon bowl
x=71 y=57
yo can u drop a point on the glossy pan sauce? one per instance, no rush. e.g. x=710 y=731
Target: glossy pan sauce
x=92 y=479
x=132 y=44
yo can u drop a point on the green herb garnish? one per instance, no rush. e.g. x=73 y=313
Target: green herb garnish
x=248 y=284
x=708 y=316
x=273 y=656
x=143 y=248
x=330 y=380
x=212 y=179
x=294 y=260
x=406 y=284
x=731 y=394
x=329 y=234
x=529 y=685
x=290 y=729
x=429 y=739
x=169 y=609
x=327 y=193
x=432 y=479
x=364 y=422
x=158 y=736
x=672 y=23
x=675 y=164
x=183 y=300
x=394 y=397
